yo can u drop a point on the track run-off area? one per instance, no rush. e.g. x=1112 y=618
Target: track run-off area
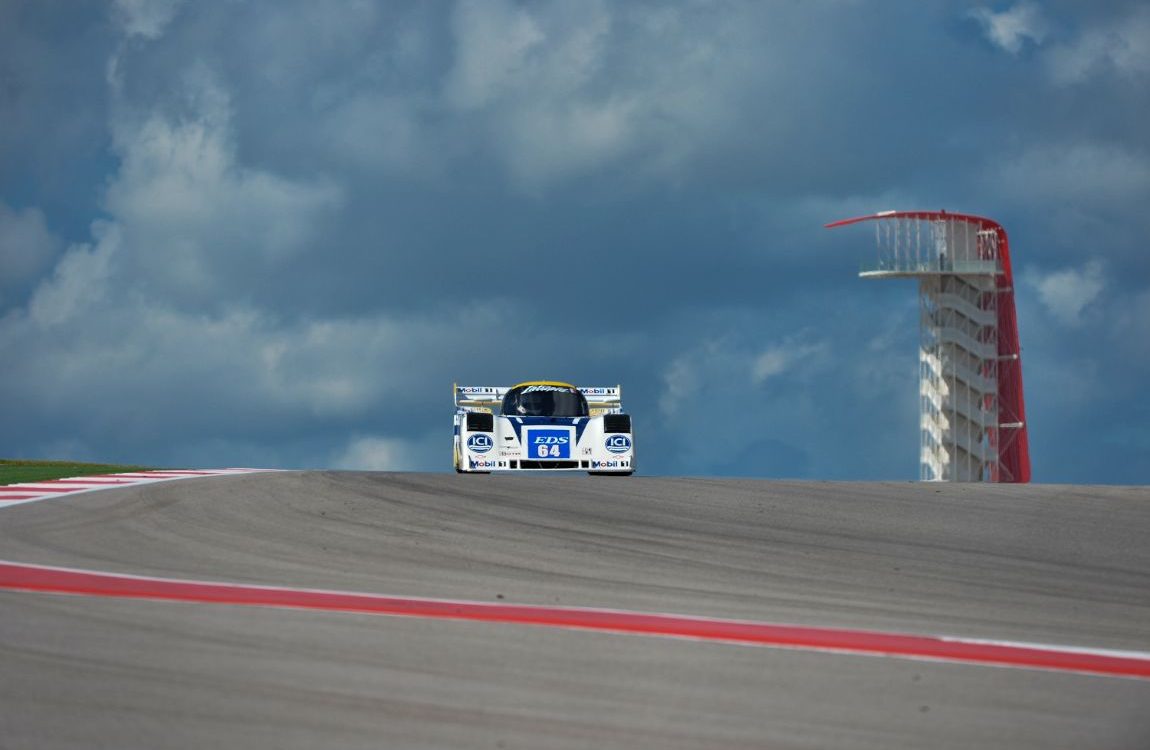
x=349 y=609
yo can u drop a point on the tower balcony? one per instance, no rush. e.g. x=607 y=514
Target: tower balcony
x=916 y=268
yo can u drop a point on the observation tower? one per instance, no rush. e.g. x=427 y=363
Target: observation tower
x=972 y=415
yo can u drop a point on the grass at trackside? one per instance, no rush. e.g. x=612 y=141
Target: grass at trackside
x=16 y=471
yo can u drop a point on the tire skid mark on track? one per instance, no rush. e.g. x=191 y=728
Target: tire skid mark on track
x=16 y=576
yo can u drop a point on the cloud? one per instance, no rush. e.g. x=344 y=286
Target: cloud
x=730 y=405
x=1118 y=45
x=535 y=78
x=559 y=92
x=27 y=249
x=368 y=453
x=190 y=215
x=493 y=42
x=119 y=367
x=154 y=316
x=1068 y=292
x=681 y=380
x=78 y=282
x=381 y=133
x=778 y=359
x=263 y=232
x=1132 y=324
x=730 y=364
x=552 y=145
x=146 y=18
x=1012 y=28
x=379 y=453
x=1082 y=173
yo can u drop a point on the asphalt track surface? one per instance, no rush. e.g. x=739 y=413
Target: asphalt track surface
x=1066 y=566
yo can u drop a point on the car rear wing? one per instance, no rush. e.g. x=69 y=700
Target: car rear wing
x=483 y=398
x=488 y=398
x=602 y=400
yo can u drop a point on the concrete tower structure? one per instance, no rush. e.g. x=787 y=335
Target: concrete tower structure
x=972 y=414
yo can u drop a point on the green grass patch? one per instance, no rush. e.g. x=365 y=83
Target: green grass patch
x=17 y=471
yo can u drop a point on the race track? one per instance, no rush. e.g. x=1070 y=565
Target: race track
x=1064 y=566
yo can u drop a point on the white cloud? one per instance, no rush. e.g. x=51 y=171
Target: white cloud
x=681 y=381
x=78 y=282
x=381 y=133
x=326 y=165
x=778 y=359
x=382 y=453
x=723 y=365
x=224 y=374
x=146 y=18
x=718 y=416
x=493 y=42
x=27 y=247
x=560 y=91
x=1078 y=173
x=184 y=214
x=1068 y=292
x=537 y=72
x=1011 y=28
x=552 y=143
x=189 y=212
x=183 y=178
x=1120 y=45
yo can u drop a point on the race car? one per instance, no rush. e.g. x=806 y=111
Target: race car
x=542 y=425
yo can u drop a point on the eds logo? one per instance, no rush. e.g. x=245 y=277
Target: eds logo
x=480 y=443
x=549 y=443
x=618 y=443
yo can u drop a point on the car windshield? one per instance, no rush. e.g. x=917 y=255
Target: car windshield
x=544 y=401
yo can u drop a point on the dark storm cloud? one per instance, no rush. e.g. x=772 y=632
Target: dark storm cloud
x=53 y=101
x=290 y=226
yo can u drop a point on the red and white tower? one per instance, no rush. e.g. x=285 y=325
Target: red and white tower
x=973 y=419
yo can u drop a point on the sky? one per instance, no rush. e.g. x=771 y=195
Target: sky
x=275 y=233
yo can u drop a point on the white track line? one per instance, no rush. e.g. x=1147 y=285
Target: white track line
x=34 y=492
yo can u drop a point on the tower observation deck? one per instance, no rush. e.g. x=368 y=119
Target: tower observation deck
x=972 y=414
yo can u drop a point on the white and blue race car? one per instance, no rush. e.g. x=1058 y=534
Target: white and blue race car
x=542 y=425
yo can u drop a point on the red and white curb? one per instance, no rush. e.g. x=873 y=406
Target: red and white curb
x=31 y=492
x=16 y=576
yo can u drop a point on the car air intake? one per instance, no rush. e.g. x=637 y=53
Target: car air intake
x=548 y=464
x=480 y=422
x=616 y=423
